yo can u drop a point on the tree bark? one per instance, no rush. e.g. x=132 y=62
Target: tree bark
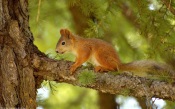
x=17 y=82
x=124 y=83
x=23 y=67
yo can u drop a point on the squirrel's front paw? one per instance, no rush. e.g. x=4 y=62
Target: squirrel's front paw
x=72 y=69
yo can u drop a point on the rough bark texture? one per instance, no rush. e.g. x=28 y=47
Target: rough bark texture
x=23 y=67
x=17 y=82
x=105 y=82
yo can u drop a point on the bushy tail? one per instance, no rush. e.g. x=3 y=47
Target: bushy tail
x=145 y=68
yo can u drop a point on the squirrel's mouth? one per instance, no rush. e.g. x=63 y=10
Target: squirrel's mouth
x=60 y=52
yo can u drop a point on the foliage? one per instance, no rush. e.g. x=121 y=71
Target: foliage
x=86 y=77
x=169 y=105
x=69 y=97
x=138 y=30
x=52 y=16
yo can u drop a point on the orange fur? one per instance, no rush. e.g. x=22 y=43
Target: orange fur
x=101 y=54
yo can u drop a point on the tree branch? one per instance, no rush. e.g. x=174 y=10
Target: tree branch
x=105 y=82
x=129 y=15
x=169 y=6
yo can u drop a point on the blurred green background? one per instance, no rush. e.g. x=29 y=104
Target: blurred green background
x=142 y=29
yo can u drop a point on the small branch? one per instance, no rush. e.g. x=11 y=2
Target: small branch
x=129 y=15
x=169 y=6
x=38 y=13
x=105 y=82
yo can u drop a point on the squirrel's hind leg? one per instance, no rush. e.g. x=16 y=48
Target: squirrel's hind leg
x=102 y=69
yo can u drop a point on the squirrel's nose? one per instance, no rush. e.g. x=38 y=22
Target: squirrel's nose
x=56 y=51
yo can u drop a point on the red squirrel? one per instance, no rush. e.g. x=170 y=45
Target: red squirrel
x=102 y=55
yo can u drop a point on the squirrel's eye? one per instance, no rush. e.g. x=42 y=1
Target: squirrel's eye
x=63 y=43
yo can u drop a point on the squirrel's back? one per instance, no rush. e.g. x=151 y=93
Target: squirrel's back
x=102 y=53
x=104 y=56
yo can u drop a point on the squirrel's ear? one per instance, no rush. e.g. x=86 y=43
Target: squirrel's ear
x=68 y=34
x=62 y=32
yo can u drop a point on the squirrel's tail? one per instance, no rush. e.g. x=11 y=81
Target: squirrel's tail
x=145 y=68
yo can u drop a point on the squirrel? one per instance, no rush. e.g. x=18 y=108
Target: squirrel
x=102 y=55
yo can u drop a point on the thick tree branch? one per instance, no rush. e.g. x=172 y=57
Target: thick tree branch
x=105 y=82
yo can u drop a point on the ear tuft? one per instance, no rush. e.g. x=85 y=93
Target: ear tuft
x=67 y=32
x=62 y=32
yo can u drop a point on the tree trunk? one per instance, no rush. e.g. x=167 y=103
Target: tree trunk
x=23 y=66
x=107 y=101
x=17 y=83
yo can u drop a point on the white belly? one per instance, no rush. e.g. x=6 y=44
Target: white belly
x=94 y=61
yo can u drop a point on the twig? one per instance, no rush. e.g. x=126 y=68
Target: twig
x=39 y=5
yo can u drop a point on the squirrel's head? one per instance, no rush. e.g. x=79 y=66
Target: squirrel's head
x=65 y=42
